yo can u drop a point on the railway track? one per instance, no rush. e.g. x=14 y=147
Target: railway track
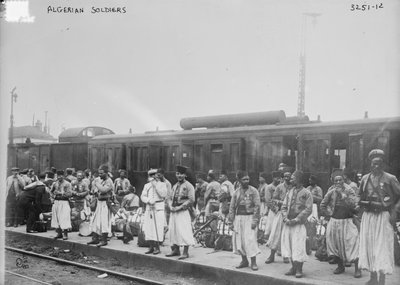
x=139 y=280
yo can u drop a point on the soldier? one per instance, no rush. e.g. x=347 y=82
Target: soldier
x=268 y=194
x=14 y=185
x=225 y=195
x=32 y=199
x=79 y=192
x=121 y=185
x=32 y=176
x=379 y=198
x=212 y=193
x=153 y=195
x=100 y=224
x=180 y=225
x=342 y=239
x=296 y=208
x=69 y=175
x=61 y=211
x=274 y=241
x=129 y=207
x=244 y=215
x=201 y=187
x=160 y=176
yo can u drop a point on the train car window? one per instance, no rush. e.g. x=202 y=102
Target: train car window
x=234 y=156
x=216 y=156
x=198 y=157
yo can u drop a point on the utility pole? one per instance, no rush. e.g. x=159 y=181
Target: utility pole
x=302 y=82
x=11 y=132
x=45 y=122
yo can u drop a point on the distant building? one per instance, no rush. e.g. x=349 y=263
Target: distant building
x=32 y=134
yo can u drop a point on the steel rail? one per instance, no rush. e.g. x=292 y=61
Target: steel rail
x=26 y=277
x=81 y=265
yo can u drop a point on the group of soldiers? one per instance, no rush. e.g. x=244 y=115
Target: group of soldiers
x=280 y=210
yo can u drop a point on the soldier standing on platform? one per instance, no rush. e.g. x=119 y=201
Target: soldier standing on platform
x=380 y=199
x=14 y=185
x=61 y=211
x=153 y=195
x=225 y=195
x=342 y=239
x=101 y=223
x=201 y=187
x=244 y=216
x=274 y=241
x=121 y=185
x=180 y=225
x=269 y=193
x=296 y=208
x=212 y=193
x=79 y=192
x=160 y=176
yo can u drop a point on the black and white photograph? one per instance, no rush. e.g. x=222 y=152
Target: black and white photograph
x=200 y=142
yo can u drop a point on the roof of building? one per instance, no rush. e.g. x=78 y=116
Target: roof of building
x=31 y=132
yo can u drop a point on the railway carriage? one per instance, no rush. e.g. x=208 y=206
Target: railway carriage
x=255 y=142
x=314 y=147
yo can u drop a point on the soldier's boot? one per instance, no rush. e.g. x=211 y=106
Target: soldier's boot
x=292 y=270
x=185 y=253
x=156 y=248
x=244 y=263
x=271 y=257
x=59 y=234
x=340 y=269
x=373 y=279
x=382 y=278
x=95 y=239
x=174 y=251
x=103 y=241
x=65 y=235
x=299 y=270
x=151 y=247
x=253 y=265
x=357 y=270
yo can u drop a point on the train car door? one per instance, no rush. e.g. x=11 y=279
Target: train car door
x=44 y=153
x=154 y=155
x=270 y=153
x=355 y=157
x=316 y=157
x=187 y=154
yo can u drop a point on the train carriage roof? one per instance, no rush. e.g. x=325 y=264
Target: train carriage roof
x=314 y=127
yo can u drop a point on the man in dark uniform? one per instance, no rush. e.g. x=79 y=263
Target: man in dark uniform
x=15 y=184
x=29 y=200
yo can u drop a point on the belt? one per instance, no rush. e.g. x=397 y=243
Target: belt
x=61 y=199
x=244 y=214
x=159 y=201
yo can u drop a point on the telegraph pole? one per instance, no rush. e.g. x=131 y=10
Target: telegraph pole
x=302 y=82
x=11 y=133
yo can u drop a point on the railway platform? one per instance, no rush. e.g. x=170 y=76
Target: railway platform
x=218 y=267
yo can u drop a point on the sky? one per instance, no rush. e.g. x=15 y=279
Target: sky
x=165 y=60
